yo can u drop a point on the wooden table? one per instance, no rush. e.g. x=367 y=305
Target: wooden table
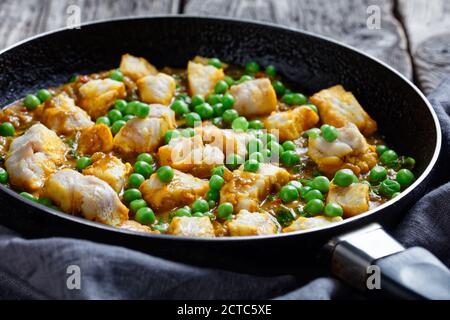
x=414 y=35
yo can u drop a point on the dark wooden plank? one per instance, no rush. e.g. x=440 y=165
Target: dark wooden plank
x=21 y=19
x=344 y=20
x=427 y=24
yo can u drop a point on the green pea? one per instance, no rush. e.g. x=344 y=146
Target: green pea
x=217 y=121
x=296 y=184
x=269 y=137
x=142 y=110
x=214 y=99
x=381 y=149
x=289 y=145
x=314 y=207
x=219 y=170
x=377 y=174
x=258 y=156
x=114 y=115
x=128 y=117
x=329 y=133
x=115 y=128
x=165 y=174
x=196 y=100
x=266 y=153
x=333 y=210
x=312 y=107
x=229 y=80
x=395 y=195
x=256 y=125
x=289 y=193
x=218 y=110
x=43 y=95
x=143 y=168
x=252 y=67
x=45 y=201
x=389 y=157
x=200 y=205
x=188 y=132
x=180 y=107
x=290 y=158
x=288 y=98
x=304 y=190
x=183 y=97
x=83 y=162
x=132 y=194
x=389 y=187
x=120 y=105
x=367 y=183
x=145 y=216
x=409 y=163
x=171 y=134
x=212 y=195
x=31 y=102
x=116 y=75
x=228 y=100
x=313 y=133
x=28 y=196
x=405 y=177
x=161 y=226
x=344 y=178
x=275 y=148
x=271 y=71
x=245 y=78
x=7 y=129
x=135 y=180
x=233 y=161
x=104 y=120
x=216 y=182
x=198 y=214
x=221 y=87
x=205 y=111
x=321 y=183
x=279 y=87
x=225 y=210
x=313 y=194
x=131 y=107
x=3 y=176
x=215 y=62
x=251 y=165
x=146 y=157
x=299 y=99
x=137 y=204
x=183 y=212
x=192 y=119
x=254 y=145
x=230 y=115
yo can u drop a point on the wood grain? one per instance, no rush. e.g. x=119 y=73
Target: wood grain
x=21 y=19
x=427 y=23
x=344 y=20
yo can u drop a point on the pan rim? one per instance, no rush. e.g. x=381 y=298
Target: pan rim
x=425 y=174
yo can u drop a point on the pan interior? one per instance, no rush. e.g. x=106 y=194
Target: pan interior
x=309 y=62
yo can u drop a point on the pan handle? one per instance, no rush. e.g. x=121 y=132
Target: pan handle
x=370 y=259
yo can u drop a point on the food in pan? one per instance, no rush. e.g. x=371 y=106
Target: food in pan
x=213 y=150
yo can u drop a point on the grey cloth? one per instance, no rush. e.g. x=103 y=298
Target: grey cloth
x=37 y=269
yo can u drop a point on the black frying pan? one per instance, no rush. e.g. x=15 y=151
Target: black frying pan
x=404 y=116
